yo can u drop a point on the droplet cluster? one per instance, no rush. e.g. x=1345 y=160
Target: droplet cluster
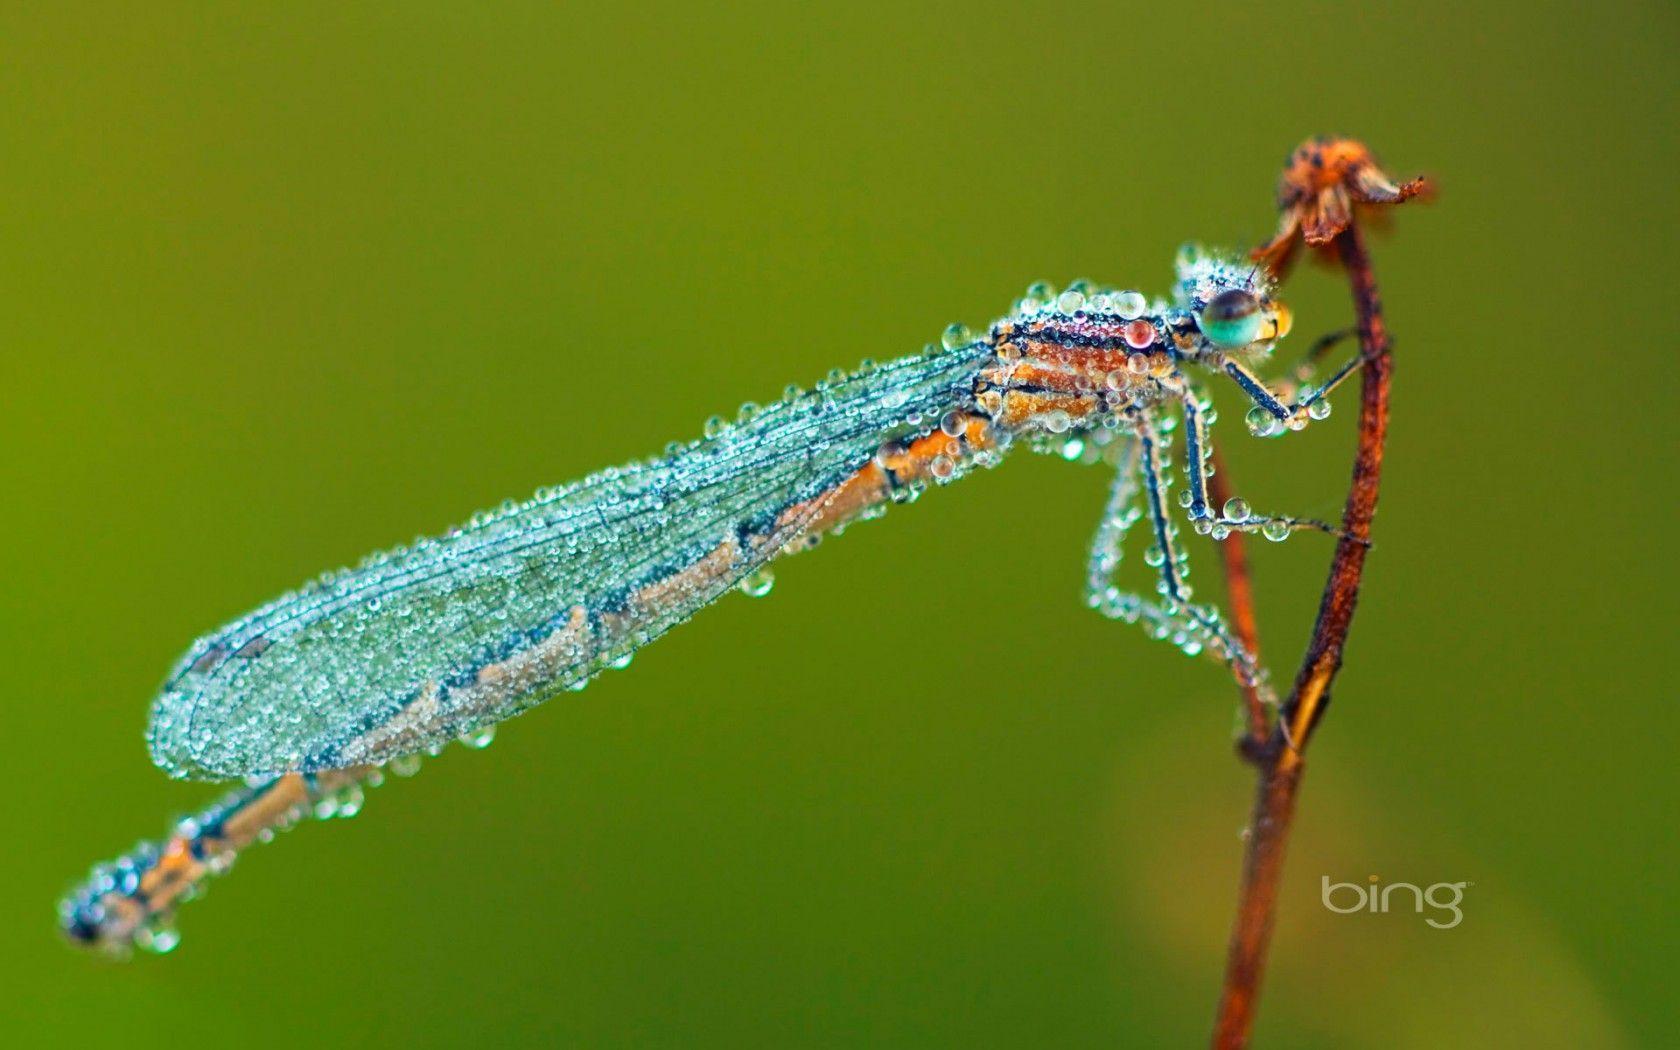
x=426 y=642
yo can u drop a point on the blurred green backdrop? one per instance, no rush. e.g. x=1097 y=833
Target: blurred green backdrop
x=284 y=285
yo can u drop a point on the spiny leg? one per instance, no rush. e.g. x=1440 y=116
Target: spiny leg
x=1315 y=354
x=1276 y=412
x=1193 y=628
x=1107 y=547
x=1235 y=516
x=1308 y=368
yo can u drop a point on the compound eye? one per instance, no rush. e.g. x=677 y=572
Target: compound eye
x=1231 y=319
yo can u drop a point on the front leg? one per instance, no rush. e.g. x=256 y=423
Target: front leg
x=1273 y=412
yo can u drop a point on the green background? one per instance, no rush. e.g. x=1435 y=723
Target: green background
x=281 y=286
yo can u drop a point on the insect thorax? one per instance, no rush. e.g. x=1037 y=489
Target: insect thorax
x=1057 y=373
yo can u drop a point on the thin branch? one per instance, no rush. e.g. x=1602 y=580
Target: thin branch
x=1325 y=167
x=1239 y=594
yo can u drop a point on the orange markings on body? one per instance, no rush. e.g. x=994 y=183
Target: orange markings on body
x=909 y=463
x=1019 y=406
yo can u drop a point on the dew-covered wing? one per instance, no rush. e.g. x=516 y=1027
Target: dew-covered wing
x=427 y=642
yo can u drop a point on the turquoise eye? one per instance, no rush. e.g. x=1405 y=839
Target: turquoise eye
x=1231 y=319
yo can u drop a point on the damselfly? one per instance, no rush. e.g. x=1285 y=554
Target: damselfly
x=314 y=695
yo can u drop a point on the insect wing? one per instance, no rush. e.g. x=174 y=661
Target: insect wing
x=425 y=643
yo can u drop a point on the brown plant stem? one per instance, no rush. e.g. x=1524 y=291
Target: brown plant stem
x=1281 y=761
x=1239 y=594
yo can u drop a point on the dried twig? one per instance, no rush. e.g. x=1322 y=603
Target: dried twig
x=1319 y=193
x=1239 y=594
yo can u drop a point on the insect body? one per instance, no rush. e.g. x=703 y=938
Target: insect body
x=310 y=696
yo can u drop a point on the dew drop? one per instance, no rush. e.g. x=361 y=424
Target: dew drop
x=1319 y=409
x=1237 y=509
x=956 y=336
x=1261 y=423
x=159 y=938
x=758 y=584
x=479 y=738
x=404 y=765
x=1276 y=531
x=1130 y=305
x=1138 y=334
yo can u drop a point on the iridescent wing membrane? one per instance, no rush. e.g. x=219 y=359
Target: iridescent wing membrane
x=425 y=643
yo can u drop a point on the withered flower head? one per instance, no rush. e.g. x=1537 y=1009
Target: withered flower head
x=1321 y=183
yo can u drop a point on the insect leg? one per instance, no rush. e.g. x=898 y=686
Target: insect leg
x=1193 y=628
x=1335 y=381
x=1235 y=516
x=1119 y=515
x=1316 y=353
x=1274 y=411
x=1107 y=546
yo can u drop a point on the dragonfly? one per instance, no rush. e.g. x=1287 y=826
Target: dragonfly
x=315 y=696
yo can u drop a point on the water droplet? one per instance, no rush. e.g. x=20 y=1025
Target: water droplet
x=480 y=738
x=1261 y=423
x=956 y=336
x=350 y=801
x=714 y=426
x=1130 y=305
x=758 y=584
x=1319 y=409
x=1276 y=531
x=1070 y=301
x=159 y=937
x=1237 y=509
x=404 y=765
